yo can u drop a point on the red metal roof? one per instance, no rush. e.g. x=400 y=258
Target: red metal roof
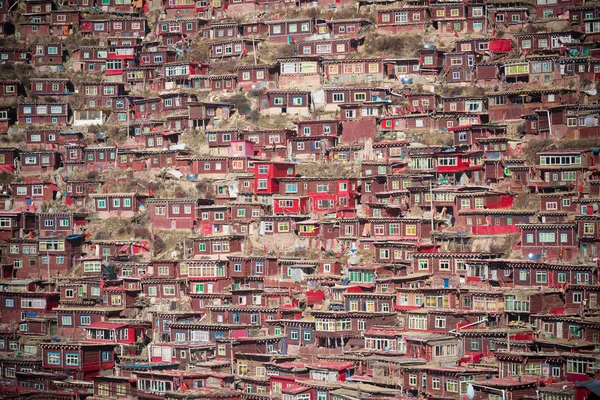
x=106 y=325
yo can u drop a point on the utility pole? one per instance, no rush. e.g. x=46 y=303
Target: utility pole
x=48 y=261
x=431 y=204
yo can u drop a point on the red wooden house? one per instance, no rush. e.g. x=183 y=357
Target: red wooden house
x=290 y=30
x=225 y=30
x=460 y=66
x=449 y=17
x=254 y=76
x=233 y=48
x=59 y=224
x=464 y=167
x=543 y=42
x=39 y=162
x=348 y=26
x=473 y=136
x=79 y=360
x=329 y=47
x=51 y=86
x=551 y=241
x=185 y=9
x=147 y=108
x=18 y=301
x=28 y=193
x=43 y=139
x=91 y=59
x=507 y=16
x=299 y=71
x=63 y=21
x=218 y=245
x=10 y=89
x=36 y=25
x=56 y=255
x=100 y=94
x=403 y=19
x=251 y=29
x=8 y=156
x=225 y=82
x=325 y=195
x=43 y=113
x=209 y=114
x=133 y=26
x=15 y=54
x=8 y=116
x=265 y=139
x=202 y=165
x=180 y=26
x=47 y=54
x=107 y=205
x=267 y=175
x=511 y=104
x=175 y=213
x=351 y=71
x=318 y=128
x=286 y=101
x=354 y=95
x=431 y=61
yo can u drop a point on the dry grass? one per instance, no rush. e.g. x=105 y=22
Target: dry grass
x=526 y=201
x=196 y=141
x=449 y=90
x=223 y=67
x=322 y=169
x=432 y=138
x=15 y=139
x=268 y=53
x=400 y=46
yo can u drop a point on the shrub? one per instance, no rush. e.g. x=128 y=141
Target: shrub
x=102 y=235
x=92 y=175
x=159 y=245
x=141 y=232
x=255 y=92
x=6 y=178
x=241 y=103
x=397 y=46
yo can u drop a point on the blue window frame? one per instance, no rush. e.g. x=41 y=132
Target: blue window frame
x=165 y=328
x=9 y=303
x=105 y=356
x=307 y=336
x=294 y=334
x=72 y=359
x=235 y=317
x=85 y=320
x=53 y=358
x=219 y=335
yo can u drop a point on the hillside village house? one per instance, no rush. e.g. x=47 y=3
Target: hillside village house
x=287 y=199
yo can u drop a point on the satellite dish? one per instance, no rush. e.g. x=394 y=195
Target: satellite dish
x=470 y=392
